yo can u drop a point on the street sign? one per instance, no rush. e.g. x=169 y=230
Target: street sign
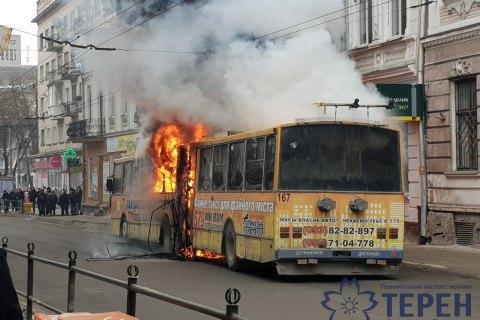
x=408 y=99
x=56 y=161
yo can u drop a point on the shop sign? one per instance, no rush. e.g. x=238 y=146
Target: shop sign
x=74 y=163
x=408 y=101
x=127 y=143
x=48 y=163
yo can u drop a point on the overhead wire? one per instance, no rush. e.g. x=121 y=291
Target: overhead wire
x=53 y=54
x=91 y=46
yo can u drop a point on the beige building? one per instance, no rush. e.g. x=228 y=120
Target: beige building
x=452 y=68
x=383 y=40
x=82 y=127
x=60 y=98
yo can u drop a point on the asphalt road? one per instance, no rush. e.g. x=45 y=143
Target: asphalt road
x=417 y=292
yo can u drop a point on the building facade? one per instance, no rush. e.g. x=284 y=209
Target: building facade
x=79 y=121
x=60 y=98
x=452 y=68
x=383 y=40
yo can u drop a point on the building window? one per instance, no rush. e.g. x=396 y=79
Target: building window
x=60 y=132
x=42 y=137
x=366 y=21
x=54 y=135
x=89 y=99
x=466 y=124
x=399 y=17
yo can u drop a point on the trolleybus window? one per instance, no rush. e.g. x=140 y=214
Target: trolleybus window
x=254 y=164
x=336 y=157
x=117 y=178
x=236 y=162
x=204 y=179
x=269 y=163
x=219 y=167
x=127 y=177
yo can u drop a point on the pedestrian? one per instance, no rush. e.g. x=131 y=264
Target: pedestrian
x=78 y=200
x=41 y=202
x=19 y=197
x=49 y=201
x=54 y=202
x=63 y=202
x=73 y=204
x=13 y=197
x=32 y=194
x=6 y=201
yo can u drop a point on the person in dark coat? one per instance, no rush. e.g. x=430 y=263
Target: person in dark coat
x=42 y=203
x=49 y=201
x=63 y=202
x=73 y=204
x=78 y=199
x=54 y=202
x=32 y=195
x=6 y=201
x=9 y=305
x=13 y=199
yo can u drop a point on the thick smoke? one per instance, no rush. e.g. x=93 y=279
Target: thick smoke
x=217 y=68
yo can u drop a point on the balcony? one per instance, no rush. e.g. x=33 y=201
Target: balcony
x=74 y=108
x=53 y=77
x=53 y=46
x=69 y=73
x=57 y=112
x=85 y=129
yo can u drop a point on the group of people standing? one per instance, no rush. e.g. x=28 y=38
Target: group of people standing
x=12 y=200
x=46 y=200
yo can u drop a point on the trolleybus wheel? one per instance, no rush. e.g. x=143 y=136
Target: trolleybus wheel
x=165 y=237
x=123 y=227
x=231 y=248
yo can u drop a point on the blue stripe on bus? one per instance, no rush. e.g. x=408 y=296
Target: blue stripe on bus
x=328 y=253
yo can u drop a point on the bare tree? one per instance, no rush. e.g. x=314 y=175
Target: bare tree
x=18 y=123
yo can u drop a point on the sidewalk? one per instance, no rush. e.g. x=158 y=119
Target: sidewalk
x=459 y=260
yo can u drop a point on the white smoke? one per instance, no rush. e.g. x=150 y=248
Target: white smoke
x=238 y=82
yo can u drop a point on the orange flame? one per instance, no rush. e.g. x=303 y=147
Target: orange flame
x=187 y=253
x=204 y=254
x=164 y=147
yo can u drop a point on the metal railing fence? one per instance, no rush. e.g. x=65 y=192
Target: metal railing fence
x=232 y=295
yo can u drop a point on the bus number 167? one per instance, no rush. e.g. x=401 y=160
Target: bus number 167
x=284 y=197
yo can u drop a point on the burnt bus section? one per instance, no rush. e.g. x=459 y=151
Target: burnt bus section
x=340 y=157
x=180 y=208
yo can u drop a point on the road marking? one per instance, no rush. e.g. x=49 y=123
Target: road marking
x=425 y=264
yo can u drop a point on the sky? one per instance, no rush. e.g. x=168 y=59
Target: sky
x=18 y=14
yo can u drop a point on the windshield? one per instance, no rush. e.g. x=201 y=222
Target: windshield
x=340 y=157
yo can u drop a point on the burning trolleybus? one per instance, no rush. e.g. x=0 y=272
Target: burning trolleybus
x=311 y=197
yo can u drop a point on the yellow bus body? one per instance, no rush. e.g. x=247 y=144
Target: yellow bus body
x=287 y=227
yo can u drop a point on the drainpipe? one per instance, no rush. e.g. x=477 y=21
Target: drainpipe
x=422 y=25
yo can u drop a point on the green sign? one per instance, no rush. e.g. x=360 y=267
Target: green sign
x=74 y=163
x=70 y=154
x=408 y=99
